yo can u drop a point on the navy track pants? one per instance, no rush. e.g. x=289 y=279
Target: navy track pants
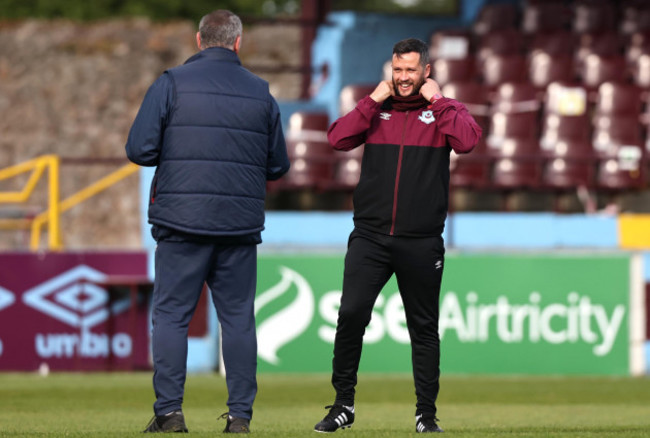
x=370 y=261
x=231 y=274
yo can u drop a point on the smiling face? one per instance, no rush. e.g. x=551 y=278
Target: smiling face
x=408 y=74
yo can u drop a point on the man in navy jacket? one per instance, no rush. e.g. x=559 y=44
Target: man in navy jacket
x=213 y=130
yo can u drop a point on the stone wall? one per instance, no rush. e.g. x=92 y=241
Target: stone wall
x=73 y=89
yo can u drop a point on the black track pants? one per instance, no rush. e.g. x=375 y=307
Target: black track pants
x=369 y=263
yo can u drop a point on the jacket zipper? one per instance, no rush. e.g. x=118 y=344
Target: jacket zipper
x=399 y=170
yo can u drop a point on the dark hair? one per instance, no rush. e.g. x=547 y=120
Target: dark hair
x=219 y=29
x=413 y=45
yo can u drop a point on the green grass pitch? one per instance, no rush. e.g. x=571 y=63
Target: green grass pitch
x=119 y=405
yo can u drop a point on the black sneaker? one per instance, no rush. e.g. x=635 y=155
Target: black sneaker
x=236 y=424
x=171 y=422
x=339 y=417
x=426 y=423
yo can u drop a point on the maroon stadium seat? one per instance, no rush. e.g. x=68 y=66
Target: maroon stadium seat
x=494 y=17
x=517 y=166
x=309 y=151
x=555 y=43
x=515 y=112
x=613 y=132
x=622 y=173
x=546 y=17
x=597 y=69
x=450 y=44
x=475 y=98
x=470 y=170
x=504 y=126
x=504 y=42
x=307 y=174
x=617 y=130
x=618 y=145
x=308 y=126
x=635 y=18
x=347 y=169
x=639 y=44
x=603 y=44
x=514 y=146
x=351 y=94
x=516 y=97
x=557 y=128
x=444 y=71
x=567 y=146
x=567 y=151
x=617 y=98
x=499 y=69
x=594 y=16
x=545 y=68
x=641 y=71
x=571 y=171
x=565 y=143
x=346 y=172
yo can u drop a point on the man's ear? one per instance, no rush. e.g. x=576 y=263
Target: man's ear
x=237 y=44
x=198 y=40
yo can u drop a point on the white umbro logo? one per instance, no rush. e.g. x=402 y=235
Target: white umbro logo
x=385 y=116
x=70 y=298
x=6 y=298
x=439 y=264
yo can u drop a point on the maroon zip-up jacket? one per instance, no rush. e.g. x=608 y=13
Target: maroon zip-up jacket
x=404 y=184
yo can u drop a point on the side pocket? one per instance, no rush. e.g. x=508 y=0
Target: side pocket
x=160 y=233
x=152 y=190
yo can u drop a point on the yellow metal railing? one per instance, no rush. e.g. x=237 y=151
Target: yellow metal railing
x=51 y=216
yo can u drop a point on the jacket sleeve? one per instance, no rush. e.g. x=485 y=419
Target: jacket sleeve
x=453 y=120
x=145 y=138
x=277 y=163
x=349 y=131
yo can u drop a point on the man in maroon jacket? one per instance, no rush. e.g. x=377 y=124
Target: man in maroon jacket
x=400 y=206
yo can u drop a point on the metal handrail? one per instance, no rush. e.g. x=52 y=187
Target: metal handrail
x=56 y=207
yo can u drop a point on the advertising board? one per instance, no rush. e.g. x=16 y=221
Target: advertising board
x=60 y=311
x=507 y=314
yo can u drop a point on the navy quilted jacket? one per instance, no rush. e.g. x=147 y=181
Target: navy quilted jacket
x=213 y=130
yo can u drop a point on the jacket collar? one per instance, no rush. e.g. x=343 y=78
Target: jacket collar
x=215 y=53
x=407 y=103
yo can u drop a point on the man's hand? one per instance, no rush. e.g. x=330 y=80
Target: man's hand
x=383 y=91
x=429 y=89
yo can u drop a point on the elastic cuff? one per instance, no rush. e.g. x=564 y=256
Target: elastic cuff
x=436 y=97
x=443 y=102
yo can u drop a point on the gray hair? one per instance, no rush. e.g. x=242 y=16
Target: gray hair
x=219 y=29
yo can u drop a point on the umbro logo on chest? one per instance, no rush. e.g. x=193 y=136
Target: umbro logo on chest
x=426 y=117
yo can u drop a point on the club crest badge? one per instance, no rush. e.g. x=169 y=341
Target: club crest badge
x=384 y=116
x=427 y=117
